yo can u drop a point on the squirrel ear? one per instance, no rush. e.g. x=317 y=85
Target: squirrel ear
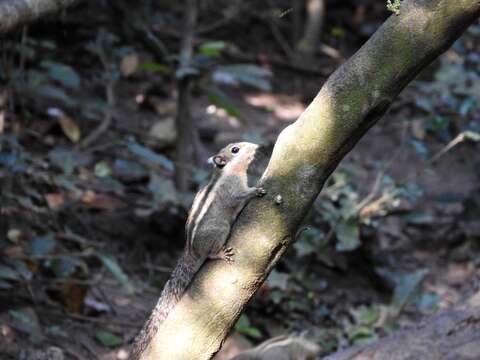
x=219 y=161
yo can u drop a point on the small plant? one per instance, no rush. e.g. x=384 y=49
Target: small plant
x=394 y=6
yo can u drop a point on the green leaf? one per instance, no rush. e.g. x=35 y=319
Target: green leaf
x=102 y=169
x=23 y=317
x=55 y=93
x=48 y=44
x=246 y=74
x=43 y=245
x=428 y=302
x=363 y=335
x=22 y=269
x=155 y=67
x=300 y=305
x=420 y=218
x=106 y=338
x=348 y=235
x=56 y=330
x=243 y=326
x=63 y=159
x=278 y=280
x=365 y=315
x=315 y=284
x=220 y=99
x=8 y=273
x=252 y=332
x=30 y=323
x=64 y=74
x=64 y=267
x=242 y=322
x=150 y=155
x=36 y=78
x=4 y=285
x=309 y=242
x=185 y=71
x=163 y=189
x=212 y=48
x=129 y=170
x=200 y=176
x=405 y=287
x=112 y=266
x=305 y=247
x=338 y=32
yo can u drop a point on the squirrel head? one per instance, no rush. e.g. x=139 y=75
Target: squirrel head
x=243 y=151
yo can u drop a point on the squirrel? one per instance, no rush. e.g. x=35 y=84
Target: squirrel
x=284 y=347
x=213 y=212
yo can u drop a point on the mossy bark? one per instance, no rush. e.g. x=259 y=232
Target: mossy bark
x=306 y=153
x=14 y=13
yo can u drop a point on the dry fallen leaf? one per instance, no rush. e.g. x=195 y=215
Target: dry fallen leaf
x=13 y=251
x=14 y=235
x=70 y=128
x=55 y=200
x=89 y=198
x=74 y=296
x=129 y=64
x=68 y=125
x=2 y=121
x=3 y=100
x=101 y=201
x=418 y=129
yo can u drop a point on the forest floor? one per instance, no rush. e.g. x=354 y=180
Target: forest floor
x=417 y=250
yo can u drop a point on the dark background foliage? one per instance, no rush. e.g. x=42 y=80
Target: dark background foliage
x=92 y=215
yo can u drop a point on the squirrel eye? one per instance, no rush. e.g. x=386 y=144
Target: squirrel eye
x=235 y=149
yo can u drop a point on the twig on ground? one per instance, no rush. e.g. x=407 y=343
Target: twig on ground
x=458 y=139
x=141 y=31
x=107 y=121
x=107 y=322
x=229 y=14
x=89 y=349
x=78 y=239
x=277 y=61
x=278 y=36
x=368 y=200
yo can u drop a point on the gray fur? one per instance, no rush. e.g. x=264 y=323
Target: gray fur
x=211 y=216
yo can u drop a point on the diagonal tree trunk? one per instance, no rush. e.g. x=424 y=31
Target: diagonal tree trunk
x=14 y=13
x=350 y=102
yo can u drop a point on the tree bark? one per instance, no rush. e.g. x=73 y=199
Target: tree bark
x=350 y=102
x=14 y=13
x=452 y=334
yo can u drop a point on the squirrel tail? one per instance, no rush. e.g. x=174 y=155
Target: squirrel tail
x=173 y=290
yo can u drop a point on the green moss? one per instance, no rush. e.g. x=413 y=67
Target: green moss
x=394 y=6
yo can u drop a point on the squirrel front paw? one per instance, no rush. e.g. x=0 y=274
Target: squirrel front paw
x=261 y=192
x=227 y=254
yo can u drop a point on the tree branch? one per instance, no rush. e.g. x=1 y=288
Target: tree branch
x=351 y=101
x=14 y=13
x=186 y=129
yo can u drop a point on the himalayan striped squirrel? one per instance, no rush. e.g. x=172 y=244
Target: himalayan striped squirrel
x=210 y=219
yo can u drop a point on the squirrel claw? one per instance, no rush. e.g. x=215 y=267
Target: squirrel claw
x=261 y=192
x=227 y=254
